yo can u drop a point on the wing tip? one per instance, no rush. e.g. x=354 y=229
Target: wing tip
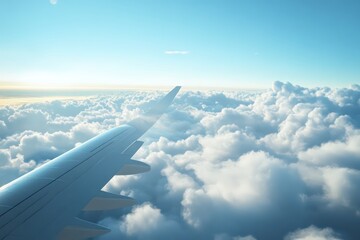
x=144 y=122
x=176 y=89
x=171 y=95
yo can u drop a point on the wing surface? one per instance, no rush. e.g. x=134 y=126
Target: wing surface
x=46 y=202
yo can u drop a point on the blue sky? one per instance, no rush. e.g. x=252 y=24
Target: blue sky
x=228 y=43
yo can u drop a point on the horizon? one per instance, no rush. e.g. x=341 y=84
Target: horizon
x=106 y=86
x=74 y=87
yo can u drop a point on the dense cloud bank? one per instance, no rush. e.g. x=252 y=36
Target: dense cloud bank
x=277 y=164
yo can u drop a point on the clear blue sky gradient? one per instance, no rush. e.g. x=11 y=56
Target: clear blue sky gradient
x=229 y=43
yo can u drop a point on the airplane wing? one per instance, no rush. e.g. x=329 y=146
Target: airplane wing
x=46 y=202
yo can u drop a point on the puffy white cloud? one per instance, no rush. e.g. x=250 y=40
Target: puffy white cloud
x=225 y=165
x=4 y=157
x=243 y=182
x=2 y=126
x=143 y=220
x=242 y=117
x=341 y=186
x=344 y=153
x=177 y=181
x=146 y=221
x=227 y=237
x=249 y=237
x=312 y=233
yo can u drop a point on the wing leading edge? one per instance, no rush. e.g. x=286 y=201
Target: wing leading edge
x=46 y=202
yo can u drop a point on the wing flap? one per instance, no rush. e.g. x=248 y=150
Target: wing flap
x=108 y=201
x=81 y=229
x=133 y=167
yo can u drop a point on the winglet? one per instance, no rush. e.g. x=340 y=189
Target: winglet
x=144 y=122
x=165 y=102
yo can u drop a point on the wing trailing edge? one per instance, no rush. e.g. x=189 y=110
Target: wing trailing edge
x=81 y=229
x=134 y=167
x=108 y=201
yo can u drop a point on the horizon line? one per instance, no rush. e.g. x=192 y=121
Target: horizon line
x=107 y=87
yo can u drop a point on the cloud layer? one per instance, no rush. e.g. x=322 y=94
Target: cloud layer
x=277 y=164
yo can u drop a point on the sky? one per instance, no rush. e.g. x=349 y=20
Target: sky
x=208 y=43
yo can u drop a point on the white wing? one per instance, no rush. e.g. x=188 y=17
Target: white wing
x=45 y=203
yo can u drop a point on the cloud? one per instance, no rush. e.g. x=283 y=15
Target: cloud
x=225 y=165
x=146 y=221
x=345 y=153
x=340 y=186
x=224 y=236
x=312 y=233
x=53 y=2
x=176 y=52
